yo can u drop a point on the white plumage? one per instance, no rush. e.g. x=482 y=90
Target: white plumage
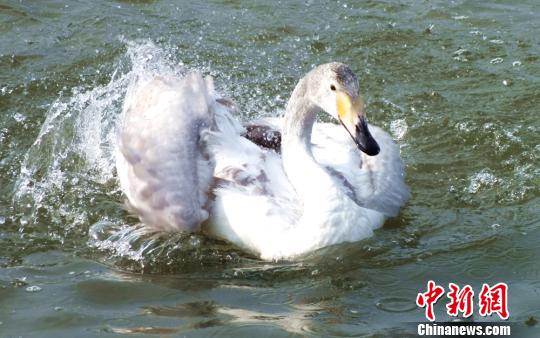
x=162 y=162
x=182 y=159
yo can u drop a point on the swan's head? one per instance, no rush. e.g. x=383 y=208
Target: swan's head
x=333 y=87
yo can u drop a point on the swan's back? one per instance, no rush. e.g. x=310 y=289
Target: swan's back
x=161 y=155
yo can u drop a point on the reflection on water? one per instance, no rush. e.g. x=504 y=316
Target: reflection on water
x=219 y=316
x=456 y=84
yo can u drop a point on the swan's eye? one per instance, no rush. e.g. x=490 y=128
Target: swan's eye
x=333 y=88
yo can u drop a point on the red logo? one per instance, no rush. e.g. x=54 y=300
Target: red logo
x=494 y=300
x=490 y=300
x=460 y=300
x=430 y=297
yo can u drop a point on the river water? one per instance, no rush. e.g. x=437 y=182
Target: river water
x=457 y=84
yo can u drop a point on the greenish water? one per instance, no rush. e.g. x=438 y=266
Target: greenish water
x=456 y=83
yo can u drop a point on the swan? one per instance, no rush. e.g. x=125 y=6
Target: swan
x=185 y=164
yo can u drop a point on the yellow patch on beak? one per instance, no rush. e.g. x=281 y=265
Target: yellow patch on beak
x=347 y=109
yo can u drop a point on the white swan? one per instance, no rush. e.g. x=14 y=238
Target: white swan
x=182 y=159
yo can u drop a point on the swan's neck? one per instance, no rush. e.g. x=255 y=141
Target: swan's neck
x=303 y=171
x=299 y=118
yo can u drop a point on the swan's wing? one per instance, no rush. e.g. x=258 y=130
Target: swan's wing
x=374 y=182
x=265 y=133
x=377 y=181
x=244 y=168
x=162 y=162
x=263 y=136
x=253 y=195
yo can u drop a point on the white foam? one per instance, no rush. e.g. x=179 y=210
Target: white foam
x=481 y=179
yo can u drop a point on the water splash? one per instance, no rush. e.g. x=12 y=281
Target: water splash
x=399 y=128
x=70 y=164
x=136 y=248
x=481 y=179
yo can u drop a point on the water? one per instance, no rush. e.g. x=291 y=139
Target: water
x=456 y=83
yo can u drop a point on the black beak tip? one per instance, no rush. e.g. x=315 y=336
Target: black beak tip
x=372 y=148
x=363 y=139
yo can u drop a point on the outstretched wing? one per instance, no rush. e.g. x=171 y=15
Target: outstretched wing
x=162 y=162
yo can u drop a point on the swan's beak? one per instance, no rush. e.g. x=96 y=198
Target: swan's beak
x=351 y=116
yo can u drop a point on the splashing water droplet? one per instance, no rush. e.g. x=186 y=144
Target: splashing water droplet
x=33 y=288
x=398 y=128
x=19 y=117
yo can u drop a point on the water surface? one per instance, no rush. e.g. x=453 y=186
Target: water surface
x=456 y=83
